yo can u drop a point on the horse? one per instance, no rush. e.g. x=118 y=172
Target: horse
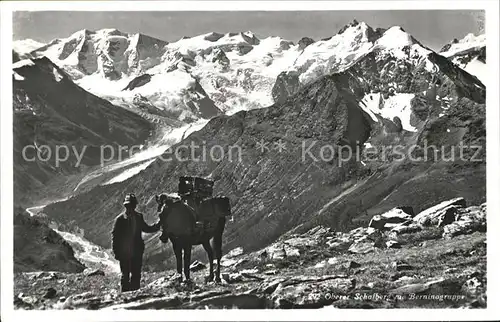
x=178 y=221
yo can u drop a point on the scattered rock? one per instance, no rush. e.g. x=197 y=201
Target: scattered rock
x=25 y=301
x=333 y=261
x=161 y=282
x=200 y=295
x=271 y=287
x=233 y=262
x=93 y=272
x=321 y=264
x=197 y=266
x=451 y=270
x=353 y=264
x=339 y=244
x=436 y=286
x=50 y=294
x=361 y=247
x=232 y=278
x=281 y=251
x=405 y=279
x=431 y=216
x=301 y=242
x=405 y=229
x=392 y=244
x=401 y=266
x=311 y=294
x=270 y=272
x=250 y=271
x=232 y=301
x=390 y=219
x=234 y=252
x=165 y=302
x=473 y=286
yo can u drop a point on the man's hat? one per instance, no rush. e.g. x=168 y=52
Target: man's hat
x=130 y=199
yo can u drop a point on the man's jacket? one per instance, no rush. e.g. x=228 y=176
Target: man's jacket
x=127 y=231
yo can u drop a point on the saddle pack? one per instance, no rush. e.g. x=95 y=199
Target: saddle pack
x=197 y=193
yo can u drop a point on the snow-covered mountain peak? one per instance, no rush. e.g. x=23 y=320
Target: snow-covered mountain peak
x=336 y=53
x=395 y=37
x=108 y=52
x=469 y=43
x=469 y=53
x=26 y=46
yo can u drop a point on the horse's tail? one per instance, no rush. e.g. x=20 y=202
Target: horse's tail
x=222 y=206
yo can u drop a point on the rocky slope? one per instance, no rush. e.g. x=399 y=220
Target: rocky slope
x=435 y=259
x=39 y=248
x=50 y=110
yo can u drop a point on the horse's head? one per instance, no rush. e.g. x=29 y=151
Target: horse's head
x=164 y=200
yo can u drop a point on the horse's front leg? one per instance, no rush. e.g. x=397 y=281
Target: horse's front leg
x=210 y=253
x=178 y=257
x=187 y=261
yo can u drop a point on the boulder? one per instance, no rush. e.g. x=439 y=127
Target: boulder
x=448 y=215
x=469 y=220
x=431 y=216
x=392 y=218
x=405 y=229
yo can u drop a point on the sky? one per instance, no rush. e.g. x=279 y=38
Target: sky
x=434 y=28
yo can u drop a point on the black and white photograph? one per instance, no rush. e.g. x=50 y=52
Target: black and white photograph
x=198 y=155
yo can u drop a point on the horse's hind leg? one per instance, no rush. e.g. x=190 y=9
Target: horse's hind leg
x=187 y=261
x=217 y=247
x=210 y=253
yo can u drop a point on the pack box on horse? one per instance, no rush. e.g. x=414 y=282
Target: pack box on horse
x=194 y=217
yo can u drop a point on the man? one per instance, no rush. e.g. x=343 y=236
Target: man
x=127 y=243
